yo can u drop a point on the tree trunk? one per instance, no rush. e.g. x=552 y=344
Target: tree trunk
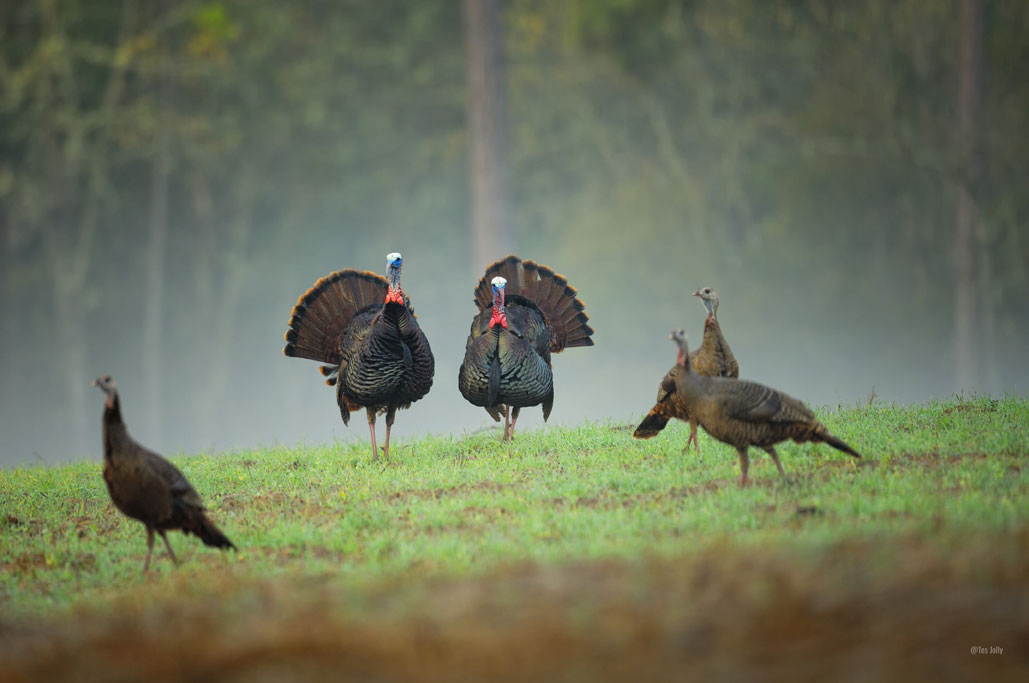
x=153 y=307
x=969 y=100
x=225 y=344
x=491 y=234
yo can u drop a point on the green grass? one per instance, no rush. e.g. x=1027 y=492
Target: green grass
x=457 y=506
x=571 y=554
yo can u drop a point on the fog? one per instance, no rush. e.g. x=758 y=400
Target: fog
x=793 y=165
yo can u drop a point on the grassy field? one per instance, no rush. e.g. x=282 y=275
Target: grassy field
x=578 y=553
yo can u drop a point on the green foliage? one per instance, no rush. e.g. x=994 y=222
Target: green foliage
x=796 y=155
x=453 y=506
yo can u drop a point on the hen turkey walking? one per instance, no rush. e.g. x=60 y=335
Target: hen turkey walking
x=714 y=358
x=145 y=486
x=363 y=326
x=526 y=312
x=745 y=414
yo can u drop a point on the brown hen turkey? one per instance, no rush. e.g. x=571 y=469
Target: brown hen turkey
x=145 y=486
x=713 y=358
x=744 y=414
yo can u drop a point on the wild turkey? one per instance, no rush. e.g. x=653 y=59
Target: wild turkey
x=526 y=312
x=145 y=486
x=745 y=414
x=713 y=359
x=363 y=326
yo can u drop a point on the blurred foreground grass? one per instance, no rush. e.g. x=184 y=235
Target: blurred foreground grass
x=579 y=553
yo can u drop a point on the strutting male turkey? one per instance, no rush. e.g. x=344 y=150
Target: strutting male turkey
x=145 y=486
x=744 y=414
x=526 y=312
x=362 y=325
x=714 y=358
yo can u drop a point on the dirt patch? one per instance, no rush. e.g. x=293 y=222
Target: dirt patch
x=608 y=501
x=31 y=527
x=479 y=512
x=930 y=460
x=286 y=554
x=25 y=563
x=232 y=502
x=28 y=563
x=983 y=407
x=440 y=493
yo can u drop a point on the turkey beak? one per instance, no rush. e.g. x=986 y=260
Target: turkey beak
x=696 y=293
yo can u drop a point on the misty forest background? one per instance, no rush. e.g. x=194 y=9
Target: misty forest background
x=851 y=177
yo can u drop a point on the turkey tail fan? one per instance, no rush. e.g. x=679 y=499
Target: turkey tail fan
x=556 y=299
x=323 y=312
x=211 y=535
x=563 y=310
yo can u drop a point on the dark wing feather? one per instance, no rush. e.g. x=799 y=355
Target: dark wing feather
x=753 y=402
x=178 y=485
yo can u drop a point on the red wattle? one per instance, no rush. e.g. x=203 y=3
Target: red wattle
x=499 y=318
x=394 y=296
x=680 y=359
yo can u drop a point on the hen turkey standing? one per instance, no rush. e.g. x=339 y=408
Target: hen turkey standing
x=745 y=414
x=145 y=486
x=714 y=358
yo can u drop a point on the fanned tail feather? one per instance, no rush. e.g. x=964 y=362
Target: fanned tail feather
x=550 y=291
x=330 y=373
x=323 y=312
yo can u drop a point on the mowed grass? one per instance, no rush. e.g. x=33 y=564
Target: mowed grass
x=586 y=521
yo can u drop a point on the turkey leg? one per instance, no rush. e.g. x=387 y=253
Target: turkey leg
x=168 y=546
x=775 y=456
x=692 y=438
x=744 y=466
x=149 y=549
x=514 y=418
x=371 y=430
x=391 y=414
